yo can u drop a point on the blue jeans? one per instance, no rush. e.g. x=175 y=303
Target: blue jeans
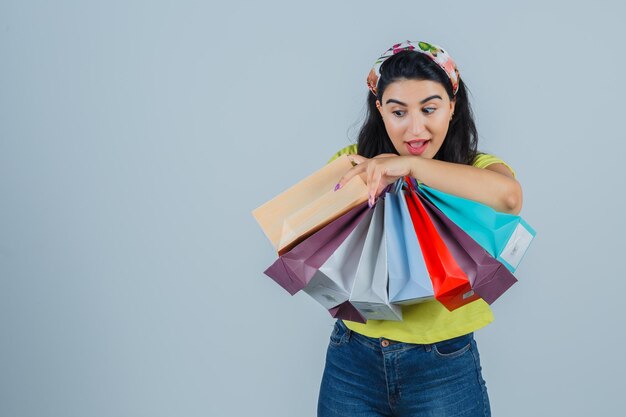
x=376 y=377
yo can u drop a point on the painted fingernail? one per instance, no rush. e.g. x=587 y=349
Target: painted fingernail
x=369 y=204
x=338 y=186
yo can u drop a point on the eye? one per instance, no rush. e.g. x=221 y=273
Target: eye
x=398 y=113
x=429 y=108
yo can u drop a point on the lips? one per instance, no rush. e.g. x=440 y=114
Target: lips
x=417 y=147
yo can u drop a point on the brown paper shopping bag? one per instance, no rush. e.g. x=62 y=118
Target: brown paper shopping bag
x=309 y=205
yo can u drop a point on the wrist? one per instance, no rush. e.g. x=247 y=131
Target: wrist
x=415 y=163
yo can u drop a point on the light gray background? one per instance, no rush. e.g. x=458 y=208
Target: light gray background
x=136 y=138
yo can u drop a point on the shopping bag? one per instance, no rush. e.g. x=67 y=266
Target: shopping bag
x=310 y=204
x=369 y=293
x=505 y=236
x=332 y=283
x=409 y=282
x=294 y=269
x=450 y=282
x=488 y=277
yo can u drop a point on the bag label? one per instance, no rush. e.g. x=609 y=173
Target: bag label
x=517 y=246
x=468 y=294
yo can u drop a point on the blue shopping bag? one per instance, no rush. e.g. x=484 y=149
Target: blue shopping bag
x=409 y=281
x=505 y=236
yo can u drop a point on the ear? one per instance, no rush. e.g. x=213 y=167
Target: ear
x=452 y=105
x=380 y=109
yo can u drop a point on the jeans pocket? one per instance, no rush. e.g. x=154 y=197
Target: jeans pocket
x=454 y=347
x=339 y=333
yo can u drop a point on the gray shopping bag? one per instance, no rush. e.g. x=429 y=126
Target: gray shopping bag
x=369 y=293
x=332 y=283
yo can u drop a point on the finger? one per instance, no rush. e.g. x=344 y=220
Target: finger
x=381 y=188
x=375 y=185
x=355 y=170
x=373 y=180
x=357 y=159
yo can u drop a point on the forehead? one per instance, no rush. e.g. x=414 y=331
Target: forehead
x=414 y=91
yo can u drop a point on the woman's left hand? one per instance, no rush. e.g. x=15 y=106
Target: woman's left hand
x=378 y=172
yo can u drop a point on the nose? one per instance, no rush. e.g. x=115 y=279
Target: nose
x=417 y=124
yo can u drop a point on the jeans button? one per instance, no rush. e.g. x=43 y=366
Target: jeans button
x=384 y=343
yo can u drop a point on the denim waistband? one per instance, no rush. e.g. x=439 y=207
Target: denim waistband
x=392 y=344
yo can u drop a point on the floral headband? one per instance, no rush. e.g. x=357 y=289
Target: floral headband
x=434 y=52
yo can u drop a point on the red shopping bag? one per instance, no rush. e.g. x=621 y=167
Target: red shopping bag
x=451 y=284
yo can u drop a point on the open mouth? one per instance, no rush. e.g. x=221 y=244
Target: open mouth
x=417 y=147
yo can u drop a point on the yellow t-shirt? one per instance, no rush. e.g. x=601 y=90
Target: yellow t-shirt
x=429 y=322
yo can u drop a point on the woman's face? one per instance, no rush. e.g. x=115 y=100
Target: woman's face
x=416 y=114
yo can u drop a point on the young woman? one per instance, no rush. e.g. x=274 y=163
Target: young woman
x=419 y=123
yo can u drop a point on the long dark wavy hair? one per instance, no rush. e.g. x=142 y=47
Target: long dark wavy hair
x=461 y=141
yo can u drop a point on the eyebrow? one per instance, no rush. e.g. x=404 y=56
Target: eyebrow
x=393 y=100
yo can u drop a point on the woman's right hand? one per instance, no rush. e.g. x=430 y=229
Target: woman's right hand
x=365 y=169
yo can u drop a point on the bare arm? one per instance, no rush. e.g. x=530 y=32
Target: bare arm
x=494 y=186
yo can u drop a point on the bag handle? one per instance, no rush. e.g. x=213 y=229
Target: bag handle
x=410 y=184
x=397 y=186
